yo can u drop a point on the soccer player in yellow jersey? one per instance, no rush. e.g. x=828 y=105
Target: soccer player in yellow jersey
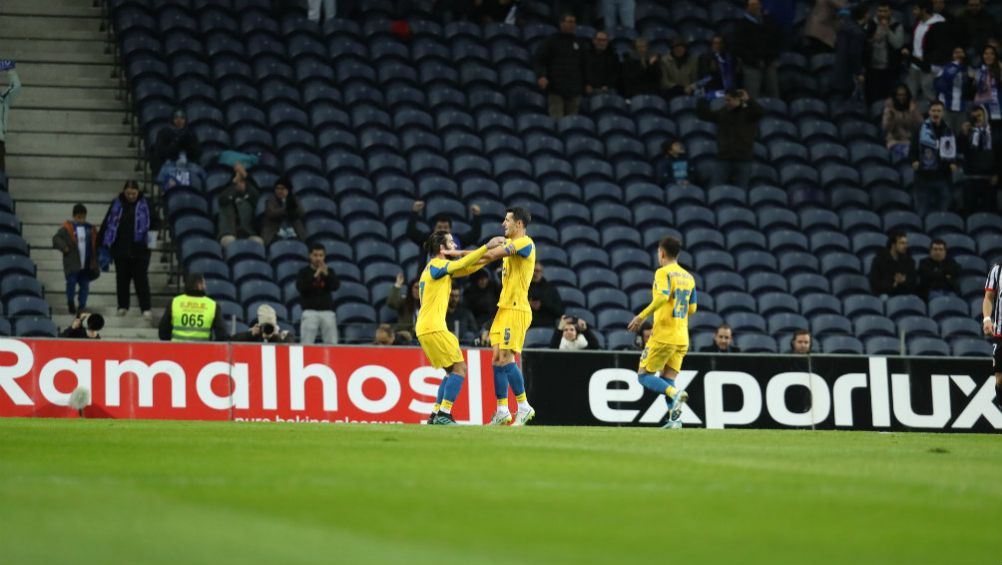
x=674 y=300
x=513 y=317
x=439 y=345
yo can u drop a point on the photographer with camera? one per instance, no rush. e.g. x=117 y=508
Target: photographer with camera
x=283 y=214
x=573 y=334
x=192 y=316
x=85 y=326
x=266 y=329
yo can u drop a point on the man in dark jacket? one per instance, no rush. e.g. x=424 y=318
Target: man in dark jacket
x=193 y=316
x=603 y=66
x=893 y=270
x=459 y=319
x=641 y=70
x=850 y=44
x=481 y=296
x=283 y=214
x=723 y=341
x=758 y=42
x=84 y=326
x=315 y=284
x=127 y=233
x=981 y=173
x=977 y=25
x=237 y=208
x=885 y=37
x=933 y=154
x=560 y=64
x=737 y=125
x=544 y=299
x=939 y=275
x=173 y=140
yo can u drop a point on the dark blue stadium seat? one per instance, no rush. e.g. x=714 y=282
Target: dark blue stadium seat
x=782 y=323
x=917 y=326
x=842 y=344
x=744 y=322
x=16 y=265
x=871 y=324
x=933 y=346
x=971 y=347
x=34 y=326
x=861 y=304
x=777 y=302
x=904 y=305
x=946 y=306
x=722 y=281
x=830 y=324
x=807 y=283
x=796 y=262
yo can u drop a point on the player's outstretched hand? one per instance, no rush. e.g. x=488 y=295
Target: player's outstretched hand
x=635 y=323
x=496 y=242
x=987 y=326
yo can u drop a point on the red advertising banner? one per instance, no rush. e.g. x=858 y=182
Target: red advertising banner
x=240 y=382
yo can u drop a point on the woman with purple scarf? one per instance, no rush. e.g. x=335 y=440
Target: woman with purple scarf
x=128 y=228
x=988 y=91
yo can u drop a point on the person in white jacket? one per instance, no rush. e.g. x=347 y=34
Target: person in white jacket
x=7 y=96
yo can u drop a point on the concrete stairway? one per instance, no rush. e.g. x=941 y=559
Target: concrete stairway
x=69 y=142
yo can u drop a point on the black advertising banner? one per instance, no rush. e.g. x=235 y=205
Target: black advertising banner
x=769 y=391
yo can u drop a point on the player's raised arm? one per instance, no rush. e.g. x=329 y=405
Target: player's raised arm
x=656 y=303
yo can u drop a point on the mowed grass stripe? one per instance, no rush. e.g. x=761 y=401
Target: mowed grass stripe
x=103 y=491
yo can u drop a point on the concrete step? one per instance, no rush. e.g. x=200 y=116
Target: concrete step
x=53 y=27
x=112 y=320
x=106 y=302
x=74 y=145
x=68 y=98
x=54 y=262
x=133 y=334
x=35 y=73
x=114 y=171
x=63 y=189
x=49 y=119
x=55 y=50
x=55 y=285
x=61 y=8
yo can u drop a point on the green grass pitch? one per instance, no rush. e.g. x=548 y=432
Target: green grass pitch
x=137 y=492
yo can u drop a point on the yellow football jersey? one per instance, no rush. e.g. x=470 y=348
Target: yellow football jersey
x=516 y=273
x=435 y=286
x=671 y=321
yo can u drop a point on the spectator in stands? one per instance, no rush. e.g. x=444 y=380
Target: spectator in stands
x=77 y=240
x=265 y=328
x=315 y=284
x=237 y=208
x=7 y=97
x=314 y=9
x=560 y=65
x=127 y=233
x=987 y=91
x=442 y=223
x=619 y=13
x=900 y=121
x=643 y=335
x=603 y=65
x=737 y=126
x=951 y=84
x=641 y=70
x=481 y=296
x=573 y=334
x=933 y=154
x=885 y=37
x=977 y=26
x=283 y=214
x=927 y=43
x=938 y=274
x=192 y=316
x=181 y=173
x=679 y=70
x=723 y=341
x=673 y=167
x=758 y=42
x=719 y=70
x=84 y=326
x=819 y=27
x=849 y=74
x=981 y=171
x=458 y=317
x=543 y=299
x=174 y=141
x=386 y=336
x=405 y=305
x=801 y=342
x=893 y=269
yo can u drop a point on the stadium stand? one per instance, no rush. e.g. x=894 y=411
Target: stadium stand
x=453 y=116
